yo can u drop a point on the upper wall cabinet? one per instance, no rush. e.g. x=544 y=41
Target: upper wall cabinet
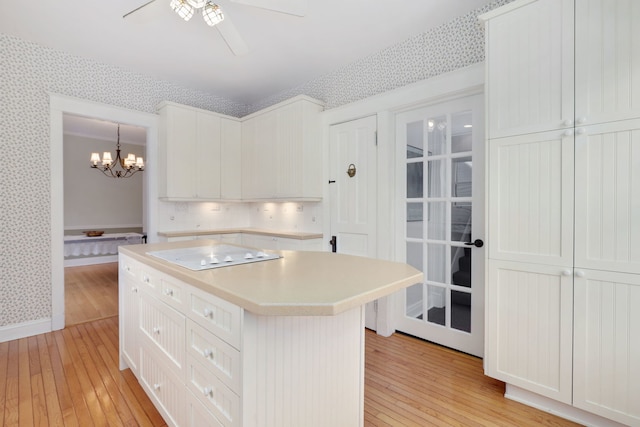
x=607 y=67
x=198 y=155
x=282 y=152
x=530 y=67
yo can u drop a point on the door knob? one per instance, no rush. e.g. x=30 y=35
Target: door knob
x=477 y=243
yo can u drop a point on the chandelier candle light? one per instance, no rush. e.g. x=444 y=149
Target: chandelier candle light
x=185 y=9
x=118 y=167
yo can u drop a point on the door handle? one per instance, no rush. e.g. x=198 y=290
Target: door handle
x=477 y=243
x=334 y=243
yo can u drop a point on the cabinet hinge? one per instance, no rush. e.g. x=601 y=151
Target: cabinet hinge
x=375 y=137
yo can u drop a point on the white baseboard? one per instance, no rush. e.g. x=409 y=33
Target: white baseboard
x=76 y=262
x=558 y=408
x=26 y=329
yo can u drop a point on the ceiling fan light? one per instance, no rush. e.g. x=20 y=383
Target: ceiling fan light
x=212 y=14
x=182 y=8
x=198 y=4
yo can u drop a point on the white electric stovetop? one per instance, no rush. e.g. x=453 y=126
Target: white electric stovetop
x=207 y=257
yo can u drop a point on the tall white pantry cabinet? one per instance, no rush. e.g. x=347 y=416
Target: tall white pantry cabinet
x=563 y=288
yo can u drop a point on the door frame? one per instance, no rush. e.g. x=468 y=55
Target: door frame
x=465 y=81
x=472 y=343
x=59 y=105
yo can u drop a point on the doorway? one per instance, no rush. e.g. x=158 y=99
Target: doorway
x=441 y=188
x=352 y=192
x=60 y=105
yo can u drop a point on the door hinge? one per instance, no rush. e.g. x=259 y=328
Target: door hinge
x=375 y=137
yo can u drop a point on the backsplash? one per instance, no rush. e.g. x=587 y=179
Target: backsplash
x=189 y=216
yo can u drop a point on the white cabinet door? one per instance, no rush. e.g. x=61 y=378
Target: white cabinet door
x=129 y=323
x=530 y=201
x=530 y=68
x=259 y=157
x=607 y=344
x=529 y=327
x=207 y=162
x=608 y=197
x=231 y=159
x=177 y=151
x=607 y=66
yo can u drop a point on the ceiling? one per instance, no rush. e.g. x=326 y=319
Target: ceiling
x=285 y=51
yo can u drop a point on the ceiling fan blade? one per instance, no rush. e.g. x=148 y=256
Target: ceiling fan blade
x=233 y=38
x=291 y=7
x=138 y=8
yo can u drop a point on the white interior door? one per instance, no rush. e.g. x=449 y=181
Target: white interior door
x=352 y=177
x=441 y=196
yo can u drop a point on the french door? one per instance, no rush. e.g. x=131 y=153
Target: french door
x=441 y=186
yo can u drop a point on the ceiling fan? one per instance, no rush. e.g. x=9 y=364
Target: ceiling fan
x=213 y=15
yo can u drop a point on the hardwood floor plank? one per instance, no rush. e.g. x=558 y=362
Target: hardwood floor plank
x=52 y=401
x=24 y=387
x=91 y=292
x=4 y=359
x=73 y=413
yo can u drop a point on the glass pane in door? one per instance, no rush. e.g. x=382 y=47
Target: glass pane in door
x=437 y=305
x=461 y=311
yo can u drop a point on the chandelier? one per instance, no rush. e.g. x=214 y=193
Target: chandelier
x=118 y=167
x=185 y=9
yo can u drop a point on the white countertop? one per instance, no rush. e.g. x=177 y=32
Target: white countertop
x=298 y=284
x=82 y=237
x=300 y=235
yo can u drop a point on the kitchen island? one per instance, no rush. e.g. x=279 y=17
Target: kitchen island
x=272 y=343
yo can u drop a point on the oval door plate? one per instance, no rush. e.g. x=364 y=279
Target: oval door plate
x=351 y=171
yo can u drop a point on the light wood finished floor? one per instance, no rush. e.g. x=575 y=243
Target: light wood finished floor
x=90 y=292
x=71 y=377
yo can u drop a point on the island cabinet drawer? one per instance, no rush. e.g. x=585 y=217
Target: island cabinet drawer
x=218 y=316
x=165 y=387
x=216 y=355
x=150 y=278
x=172 y=292
x=197 y=415
x=163 y=328
x=216 y=397
x=128 y=267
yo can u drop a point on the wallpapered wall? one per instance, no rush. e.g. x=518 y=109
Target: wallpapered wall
x=28 y=72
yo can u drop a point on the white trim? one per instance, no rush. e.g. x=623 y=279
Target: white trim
x=90 y=260
x=455 y=84
x=557 y=408
x=59 y=105
x=26 y=329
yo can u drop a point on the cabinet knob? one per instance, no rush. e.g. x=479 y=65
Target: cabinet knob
x=156 y=386
x=145 y=279
x=207 y=312
x=207 y=353
x=207 y=391
x=581 y=120
x=134 y=290
x=580 y=131
x=566 y=272
x=568 y=122
x=168 y=292
x=579 y=273
x=568 y=132
x=156 y=330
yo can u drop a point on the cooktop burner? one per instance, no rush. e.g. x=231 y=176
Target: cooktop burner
x=207 y=257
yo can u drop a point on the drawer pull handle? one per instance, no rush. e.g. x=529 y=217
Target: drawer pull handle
x=134 y=290
x=207 y=353
x=208 y=312
x=207 y=391
x=146 y=279
x=156 y=330
x=168 y=292
x=156 y=386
